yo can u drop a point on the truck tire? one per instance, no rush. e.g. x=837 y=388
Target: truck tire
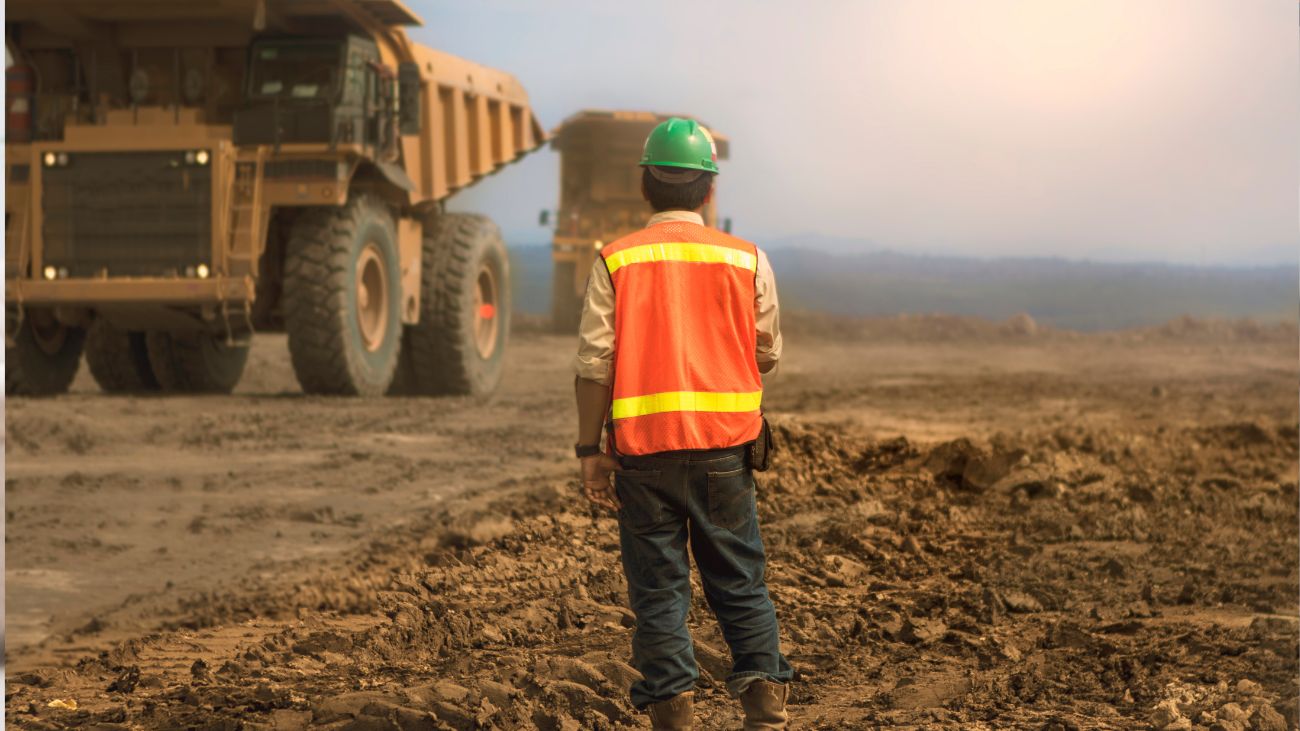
x=119 y=360
x=459 y=345
x=43 y=359
x=195 y=362
x=566 y=307
x=342 y=298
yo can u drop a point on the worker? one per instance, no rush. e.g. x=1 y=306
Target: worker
x=678 y=323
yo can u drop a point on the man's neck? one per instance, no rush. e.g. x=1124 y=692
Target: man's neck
x=676 y=216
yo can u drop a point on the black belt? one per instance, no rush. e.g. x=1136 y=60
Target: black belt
x=692 y=455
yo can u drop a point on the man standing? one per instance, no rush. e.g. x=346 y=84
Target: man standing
x=678 y=324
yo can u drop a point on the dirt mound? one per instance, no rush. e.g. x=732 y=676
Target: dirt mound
x=914 y=327
x=1241 y=330
x=1061 y=578
x=941 y=328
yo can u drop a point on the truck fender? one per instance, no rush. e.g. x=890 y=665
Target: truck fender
x=386 y=178
x=396 y=175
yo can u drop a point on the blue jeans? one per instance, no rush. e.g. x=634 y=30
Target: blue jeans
x=707 y=497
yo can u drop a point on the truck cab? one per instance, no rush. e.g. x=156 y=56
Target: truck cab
x=303 y=90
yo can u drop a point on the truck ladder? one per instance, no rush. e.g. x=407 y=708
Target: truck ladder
x=247 y=233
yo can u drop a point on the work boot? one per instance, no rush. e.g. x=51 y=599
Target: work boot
x=764 y=704
x=675 y=714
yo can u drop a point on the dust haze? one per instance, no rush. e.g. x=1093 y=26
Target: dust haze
x=1160 y=131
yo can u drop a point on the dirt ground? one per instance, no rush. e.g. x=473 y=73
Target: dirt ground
x=968 y=526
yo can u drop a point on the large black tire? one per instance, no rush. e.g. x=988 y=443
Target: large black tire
x=195 y=362
x=119 y=360
x=44 y=357
x=566 y=307
x=455 y=350
x=340 y=339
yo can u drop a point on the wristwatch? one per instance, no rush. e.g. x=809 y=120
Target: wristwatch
x=586 y=450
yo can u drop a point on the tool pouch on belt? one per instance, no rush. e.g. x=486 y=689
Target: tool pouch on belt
x=759 y=451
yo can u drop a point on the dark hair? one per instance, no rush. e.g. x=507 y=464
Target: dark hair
x=675 y=196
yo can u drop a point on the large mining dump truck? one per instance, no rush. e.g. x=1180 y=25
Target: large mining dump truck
x=180 y=175
x=600 y=197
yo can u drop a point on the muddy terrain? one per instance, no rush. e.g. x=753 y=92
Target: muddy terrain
x=969 y=525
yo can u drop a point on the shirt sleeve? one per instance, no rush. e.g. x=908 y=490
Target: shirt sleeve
x=595 y=358
x=767 y=316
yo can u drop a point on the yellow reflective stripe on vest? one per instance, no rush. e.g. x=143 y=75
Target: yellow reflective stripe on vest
x=655 y=403
x=697 y=253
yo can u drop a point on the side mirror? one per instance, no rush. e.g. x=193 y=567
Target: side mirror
x=544 y=218
x=726 y=225
x=408 y=102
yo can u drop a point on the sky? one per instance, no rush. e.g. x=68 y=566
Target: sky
x=1109 y=130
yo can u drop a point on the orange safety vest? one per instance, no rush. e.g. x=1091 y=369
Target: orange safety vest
x=685 y=376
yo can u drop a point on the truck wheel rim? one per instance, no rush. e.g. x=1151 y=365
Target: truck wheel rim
x=372 y=297
x=486 y=315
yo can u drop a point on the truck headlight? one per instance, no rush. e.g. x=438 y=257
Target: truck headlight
x=50 y=272
x=202 y=271
x=201 y=157
x=50 y=159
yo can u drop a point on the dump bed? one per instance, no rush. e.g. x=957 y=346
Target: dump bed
x=478 y=118
x=616 y=130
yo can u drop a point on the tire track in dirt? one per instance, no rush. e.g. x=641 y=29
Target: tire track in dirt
x=1057 y=578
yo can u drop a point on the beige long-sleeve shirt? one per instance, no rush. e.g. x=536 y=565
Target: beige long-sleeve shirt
x=595 y=358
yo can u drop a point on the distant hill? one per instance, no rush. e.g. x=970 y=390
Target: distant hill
x=1055 y=292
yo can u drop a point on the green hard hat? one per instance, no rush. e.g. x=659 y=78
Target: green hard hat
x=680 y=143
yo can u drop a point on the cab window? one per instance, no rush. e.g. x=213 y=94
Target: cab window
x=298 y=71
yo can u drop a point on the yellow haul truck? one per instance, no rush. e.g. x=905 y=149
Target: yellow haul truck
x=600 y=197
x=181 y=174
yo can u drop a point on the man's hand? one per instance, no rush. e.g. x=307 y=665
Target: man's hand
x=596 y=485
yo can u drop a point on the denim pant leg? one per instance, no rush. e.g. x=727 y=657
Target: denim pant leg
x=652 y=535
x=729 y=552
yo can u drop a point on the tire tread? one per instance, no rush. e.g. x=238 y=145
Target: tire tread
x=119 y=360
x=315 y=296
x=31 y=372
x=440 y=347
